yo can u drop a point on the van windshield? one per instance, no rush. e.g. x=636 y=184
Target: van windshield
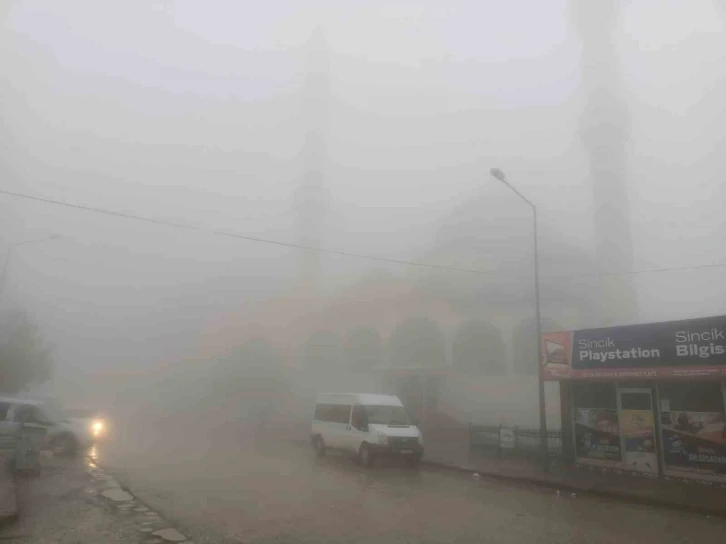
x=387 y=415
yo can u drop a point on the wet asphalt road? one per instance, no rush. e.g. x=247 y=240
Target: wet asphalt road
x=279 y=492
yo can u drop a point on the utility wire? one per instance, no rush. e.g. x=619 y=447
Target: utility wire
x=345 y=253
x=248 y=238
x=635 y=272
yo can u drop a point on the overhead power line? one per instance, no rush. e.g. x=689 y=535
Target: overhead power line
x=346 y=253
x=248 y=238
x=635 y=272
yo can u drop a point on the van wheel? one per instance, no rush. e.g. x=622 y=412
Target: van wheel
x=364 y=455
x=319 y=446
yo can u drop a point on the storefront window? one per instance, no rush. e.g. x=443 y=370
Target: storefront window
x=597 y=434
x=594 y=395
x=694 y=429
x=635 y=401
x=692 y=397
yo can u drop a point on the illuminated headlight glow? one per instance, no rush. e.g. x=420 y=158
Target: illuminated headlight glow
x=97 y=427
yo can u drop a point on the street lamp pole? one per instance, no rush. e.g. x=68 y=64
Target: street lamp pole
x=544 y=446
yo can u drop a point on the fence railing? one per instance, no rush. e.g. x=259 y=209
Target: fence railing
x=503 y=440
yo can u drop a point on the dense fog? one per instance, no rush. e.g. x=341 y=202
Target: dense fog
x=161 y=161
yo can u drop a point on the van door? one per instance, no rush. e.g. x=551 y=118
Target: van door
x=339 y=426
x=359 y=431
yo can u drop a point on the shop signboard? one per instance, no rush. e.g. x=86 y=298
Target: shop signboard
x=557 y=353
x=674 y=349
x=694 y=444
x=597 y=436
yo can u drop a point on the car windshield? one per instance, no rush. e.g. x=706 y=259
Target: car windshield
x=387 y=415
x=52 y=411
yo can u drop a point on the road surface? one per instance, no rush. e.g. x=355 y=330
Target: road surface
x=221 y=490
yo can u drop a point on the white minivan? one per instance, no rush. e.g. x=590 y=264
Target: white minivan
x=367 y=426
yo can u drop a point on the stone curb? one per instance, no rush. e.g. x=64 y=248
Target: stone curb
x=124 y=499
x=571 y=487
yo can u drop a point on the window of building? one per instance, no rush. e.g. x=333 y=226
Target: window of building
x=594 y=395
x=691 y=397
x=635 y=401
x=693 y=428
x=596 y=426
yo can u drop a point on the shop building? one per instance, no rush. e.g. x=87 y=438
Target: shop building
x=648 y=399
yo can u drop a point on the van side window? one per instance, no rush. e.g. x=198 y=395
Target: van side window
x=322 y=412
x=4 y=407
x=341 y=413
x=332 y=413
x=358 y=419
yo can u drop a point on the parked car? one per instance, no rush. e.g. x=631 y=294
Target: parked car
x=366 y=425
x=64 y=437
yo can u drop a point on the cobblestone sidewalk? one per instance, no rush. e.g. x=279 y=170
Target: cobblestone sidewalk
x=74 y=501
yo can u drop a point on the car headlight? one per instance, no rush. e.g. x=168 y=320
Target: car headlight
x=98 y=427
x=382 y=439
x=420 y=439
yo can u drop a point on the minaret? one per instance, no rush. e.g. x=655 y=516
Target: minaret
x=604 y=132
x=311 y=197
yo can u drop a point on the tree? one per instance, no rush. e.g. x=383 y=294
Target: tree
x=418 y=342
x=363 y=349
x=24 y=359
x=479 y=349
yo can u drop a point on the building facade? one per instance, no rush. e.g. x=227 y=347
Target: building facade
x=648 y=399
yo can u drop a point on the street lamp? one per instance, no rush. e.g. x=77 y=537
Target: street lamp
x=544 y=446
x=4 y=277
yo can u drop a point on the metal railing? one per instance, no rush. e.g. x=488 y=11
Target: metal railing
x=502 y=440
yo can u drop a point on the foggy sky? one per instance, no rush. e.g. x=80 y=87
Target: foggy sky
x=192 y=112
